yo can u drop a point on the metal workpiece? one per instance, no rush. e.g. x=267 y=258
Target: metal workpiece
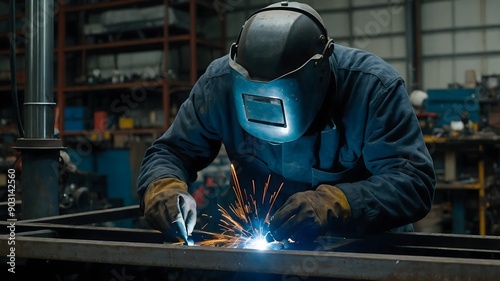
x=391 y=256
x=356 y=266
x=89 y=217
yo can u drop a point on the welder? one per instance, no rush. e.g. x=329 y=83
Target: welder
x=334 y=124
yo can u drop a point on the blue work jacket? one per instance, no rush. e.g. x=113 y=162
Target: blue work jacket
x=367 y=142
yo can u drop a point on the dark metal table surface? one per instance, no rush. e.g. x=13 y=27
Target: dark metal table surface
x=81 y=238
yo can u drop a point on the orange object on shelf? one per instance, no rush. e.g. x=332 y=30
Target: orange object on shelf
x=100 y=120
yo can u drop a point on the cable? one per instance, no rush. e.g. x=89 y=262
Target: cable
x=15 y=99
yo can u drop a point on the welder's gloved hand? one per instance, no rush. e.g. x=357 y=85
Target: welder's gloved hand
x=308 y=214
x=169 y=208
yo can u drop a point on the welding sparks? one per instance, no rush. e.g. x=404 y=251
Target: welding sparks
x=242 y=226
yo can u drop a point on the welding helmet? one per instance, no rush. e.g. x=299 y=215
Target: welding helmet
x=280 y=71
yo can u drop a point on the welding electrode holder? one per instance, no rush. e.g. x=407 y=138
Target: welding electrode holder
x=273 y=244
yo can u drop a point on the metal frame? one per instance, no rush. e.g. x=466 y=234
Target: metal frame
x=391 y=256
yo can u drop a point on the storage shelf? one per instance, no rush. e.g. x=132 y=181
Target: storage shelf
x=5 y=34
x=489 y=100
x=7 y=17
x=117 y=86
x=207 y=5
x=457 y=185
x=7 y=52
x=20 y=51
x=8 y=88
x=133 y=43
x=105 y=5
x=138 y=131
x=111 y=45
x=72 y=54
x=452 y=147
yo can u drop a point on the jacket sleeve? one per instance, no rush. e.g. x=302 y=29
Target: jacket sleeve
x=401 y=183
x=188 y=145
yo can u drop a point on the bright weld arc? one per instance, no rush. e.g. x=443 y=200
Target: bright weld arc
x=241 y=226
x=258 y=243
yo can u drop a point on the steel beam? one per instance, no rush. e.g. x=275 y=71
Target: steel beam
x=390 y=256
x=95 y=216
x=116 y=234
x=286 y=263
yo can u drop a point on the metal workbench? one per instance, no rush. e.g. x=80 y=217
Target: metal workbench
x=82 y=241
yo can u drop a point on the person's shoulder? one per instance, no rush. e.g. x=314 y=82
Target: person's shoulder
x=349 y=59
x=218 y=67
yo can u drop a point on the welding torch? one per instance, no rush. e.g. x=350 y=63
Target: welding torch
x=180 y=229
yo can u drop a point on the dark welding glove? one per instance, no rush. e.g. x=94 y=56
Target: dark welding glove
x=308 y=214
x=169 y=208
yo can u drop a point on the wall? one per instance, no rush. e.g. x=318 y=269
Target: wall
x=457 y=35
x=377 y=26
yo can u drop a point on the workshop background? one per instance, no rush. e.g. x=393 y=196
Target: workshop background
x=122 y=69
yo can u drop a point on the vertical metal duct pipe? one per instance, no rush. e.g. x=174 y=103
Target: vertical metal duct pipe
x=39 y=149
x=39 y=96
x=410 y=45
x=417 y=33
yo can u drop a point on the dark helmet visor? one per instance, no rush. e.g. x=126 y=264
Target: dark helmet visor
x=280 y=110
